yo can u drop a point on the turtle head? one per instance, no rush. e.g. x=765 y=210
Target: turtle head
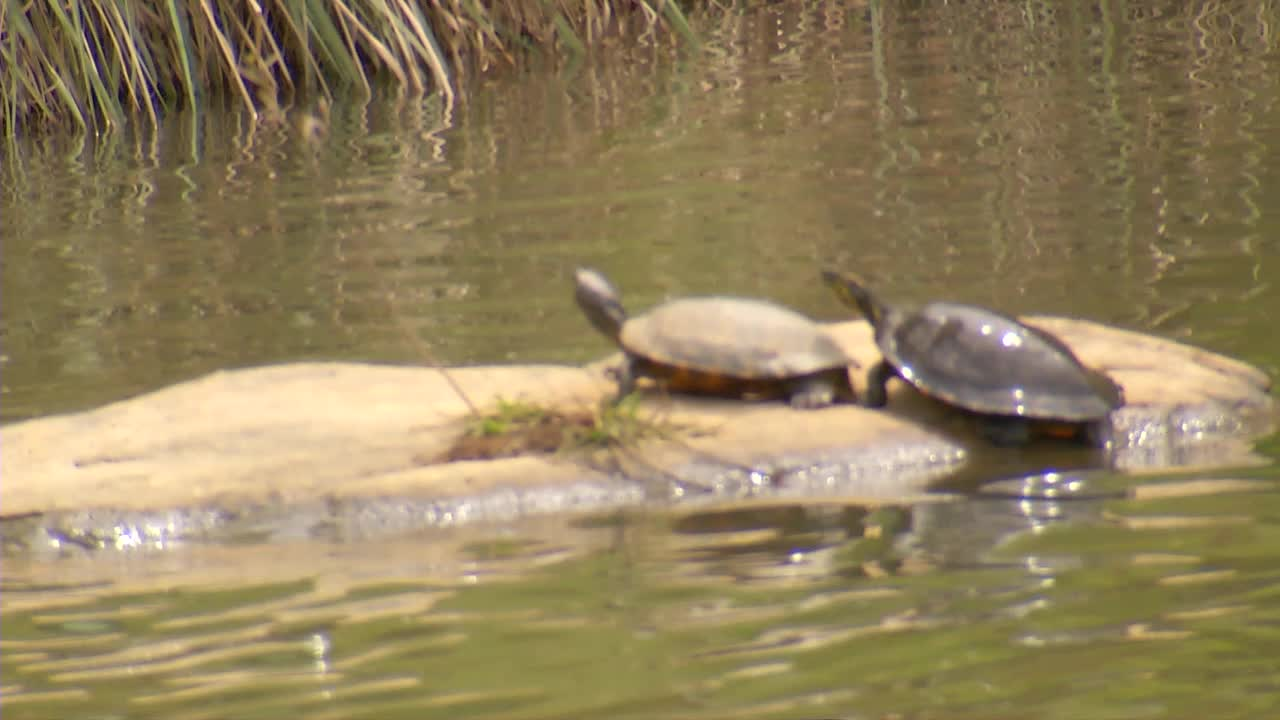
x=599 y=301
x=853 y=293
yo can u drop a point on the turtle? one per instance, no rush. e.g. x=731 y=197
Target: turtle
x=1021 y=378
x=718 y=345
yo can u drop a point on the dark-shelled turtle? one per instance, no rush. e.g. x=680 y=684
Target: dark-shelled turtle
x=984 y=362
x=724 y=346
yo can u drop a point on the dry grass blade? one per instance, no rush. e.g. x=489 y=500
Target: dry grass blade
x=379 y=48
x=403 y=36
x=482 y=20
x=429 y=49
x=265 y=50
x=229 y=57
x=139 y=76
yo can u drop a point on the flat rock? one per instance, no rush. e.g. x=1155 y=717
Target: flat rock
x=327 y=435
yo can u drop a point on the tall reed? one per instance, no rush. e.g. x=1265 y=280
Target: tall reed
x=99 y=64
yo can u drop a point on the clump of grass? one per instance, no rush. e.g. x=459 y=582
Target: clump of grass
x=516 y=428
x=618 y=425
x=98 y=64
x=509 y=417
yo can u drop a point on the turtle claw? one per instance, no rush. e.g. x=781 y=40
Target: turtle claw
x=812 y=397
x=810 y=401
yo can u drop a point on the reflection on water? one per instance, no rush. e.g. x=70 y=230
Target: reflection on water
x=1114 y=162
x=1020 y=606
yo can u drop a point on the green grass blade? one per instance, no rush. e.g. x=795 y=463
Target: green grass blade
x=142 y=86
x=122 y=69
x=104 y=81
x=332 y=45
x=671 y=10
x=564 y=30
x=179 y=25
x=78 y=68
x=21 y=34
x=70 y=102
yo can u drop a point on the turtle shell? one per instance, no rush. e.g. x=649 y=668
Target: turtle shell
x=718 y=340
x=989 y=363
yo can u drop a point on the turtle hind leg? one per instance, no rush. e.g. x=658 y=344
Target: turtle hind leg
x=878 y=377
x=626 y=375
x=1099 y=433
x=1005 y=431
x=812 y=391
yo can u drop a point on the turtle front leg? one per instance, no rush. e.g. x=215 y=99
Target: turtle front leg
x=877 y=378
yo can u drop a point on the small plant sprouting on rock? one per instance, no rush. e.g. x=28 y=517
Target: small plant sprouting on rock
x=510 y=416
x=617 y=424
x=515 y=428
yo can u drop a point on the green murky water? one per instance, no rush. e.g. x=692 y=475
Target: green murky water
x=1112 y=161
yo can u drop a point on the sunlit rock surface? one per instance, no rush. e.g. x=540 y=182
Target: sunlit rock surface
x=293 y=448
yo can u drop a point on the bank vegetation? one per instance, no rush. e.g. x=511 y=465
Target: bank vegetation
x=96 y=65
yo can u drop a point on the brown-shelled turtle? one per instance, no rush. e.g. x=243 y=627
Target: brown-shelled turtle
x=1022 y=379
x=724 y=346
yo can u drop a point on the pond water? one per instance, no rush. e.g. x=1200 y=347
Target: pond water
x=1113 y=162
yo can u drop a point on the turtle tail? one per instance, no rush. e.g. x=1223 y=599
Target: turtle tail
x=853 y=293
